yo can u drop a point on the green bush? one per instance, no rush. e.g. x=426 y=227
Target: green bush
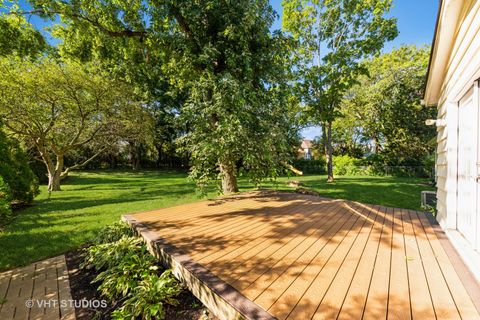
x=129 y=275
x=149 y=298
x=5 y=198
x=318 y=166
x=123 y=275
x=15 y=170
x=346 y=165
x=113 y=232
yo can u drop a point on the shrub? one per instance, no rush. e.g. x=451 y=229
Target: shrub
x=149 y=298
x=346 y=165
x=318 y=166
x=120 y=279
x=5 y=198
x=128 y=274
x=108 y=255
x=113 y=232
x=15 y=170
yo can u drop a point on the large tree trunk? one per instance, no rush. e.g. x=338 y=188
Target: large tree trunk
x=229 y=178
x=329 y=152
x=55 y=175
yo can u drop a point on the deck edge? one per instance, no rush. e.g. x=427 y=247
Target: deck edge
x=468 y=280
x=221 y=298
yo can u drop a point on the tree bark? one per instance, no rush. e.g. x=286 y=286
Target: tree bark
x=329 y=152
x=55 y=174
x=135 y=155
x=377 y=144
x=324 y=139
x=229 y=178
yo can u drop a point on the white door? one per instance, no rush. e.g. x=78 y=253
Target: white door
x=467 y=166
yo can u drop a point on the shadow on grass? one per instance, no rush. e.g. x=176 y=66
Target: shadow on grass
x=388 y=191
x=88 y=201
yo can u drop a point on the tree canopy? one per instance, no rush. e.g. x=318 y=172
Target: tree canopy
x=220 y=59
x=58 y=107
x=18 y=37
x=384 y=107
x=333 y=37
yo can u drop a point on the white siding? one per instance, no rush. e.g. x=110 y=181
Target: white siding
x=462 y=70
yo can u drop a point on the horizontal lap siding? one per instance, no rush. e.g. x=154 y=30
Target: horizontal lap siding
x=442 y=171
x=463 y=68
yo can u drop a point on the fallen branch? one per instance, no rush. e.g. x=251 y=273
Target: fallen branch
x=293 y=169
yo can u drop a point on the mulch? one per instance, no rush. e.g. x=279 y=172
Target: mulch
x=82 y=288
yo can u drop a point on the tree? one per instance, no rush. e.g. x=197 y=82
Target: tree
x=58 y=107
x=220 y=55
x=348 y=31
x=18 y=37
x=347 y=136
x=385 y=105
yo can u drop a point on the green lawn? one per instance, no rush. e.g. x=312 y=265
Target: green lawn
x=90 y=200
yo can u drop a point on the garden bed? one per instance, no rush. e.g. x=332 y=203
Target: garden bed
x=82 y=288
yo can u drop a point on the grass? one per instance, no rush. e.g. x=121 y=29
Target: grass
x=388 y=191
x=90 y=200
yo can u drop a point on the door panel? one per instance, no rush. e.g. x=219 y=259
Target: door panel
x=467 y=167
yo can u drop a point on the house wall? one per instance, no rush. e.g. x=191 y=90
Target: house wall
x=462 y=70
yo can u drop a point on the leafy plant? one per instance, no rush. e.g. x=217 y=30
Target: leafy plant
x=15 y=170
x=129 y=275
x=118 y=281
x=345 y=165
x=5 y=197
x=113 y=232
x=149 y=297
x=65 y=106
x=108 y=255
x=383 y=110
x=350 y=31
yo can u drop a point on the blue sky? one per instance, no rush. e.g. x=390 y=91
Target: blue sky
x=416 y=24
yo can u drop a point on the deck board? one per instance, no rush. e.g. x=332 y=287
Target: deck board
x=399 y=298
x=333 y=299
x=353 y=305
x=306 y=257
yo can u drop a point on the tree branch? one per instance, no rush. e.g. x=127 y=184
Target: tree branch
x=79 y=165
x=114 y=33
x=182 y=22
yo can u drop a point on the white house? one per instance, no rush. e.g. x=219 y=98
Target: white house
x=453 y=87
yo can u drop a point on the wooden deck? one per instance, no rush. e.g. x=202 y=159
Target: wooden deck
x=289 y=256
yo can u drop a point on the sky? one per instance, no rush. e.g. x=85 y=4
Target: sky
x=415 y=21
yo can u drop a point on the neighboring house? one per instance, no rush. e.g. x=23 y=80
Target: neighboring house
x=453 y=86
x=305 y=151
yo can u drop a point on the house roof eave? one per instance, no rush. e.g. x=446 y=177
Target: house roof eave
x=443 y=40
